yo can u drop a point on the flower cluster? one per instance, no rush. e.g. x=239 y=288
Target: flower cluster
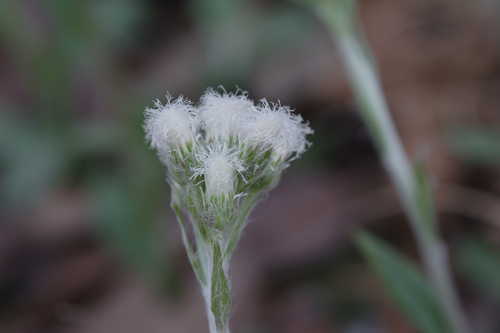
x=227 y=146
x=221 y=157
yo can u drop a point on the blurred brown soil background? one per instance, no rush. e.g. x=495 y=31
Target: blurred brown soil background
x=87 y=241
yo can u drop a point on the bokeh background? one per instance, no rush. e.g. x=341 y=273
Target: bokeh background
x=87 y=239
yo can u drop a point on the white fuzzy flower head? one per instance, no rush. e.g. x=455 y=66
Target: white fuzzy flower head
x=171 y=125
x=220 y=169
x=276 y=127
x=224 y=114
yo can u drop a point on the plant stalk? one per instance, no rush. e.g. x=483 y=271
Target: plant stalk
x=211 y=268
x=339 y=16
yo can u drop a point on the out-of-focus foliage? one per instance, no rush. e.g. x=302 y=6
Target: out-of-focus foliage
x=406 y=284
x=479 y=262
x=26 y=182
x=67 y=67
x=479 y=146
x=236 y=35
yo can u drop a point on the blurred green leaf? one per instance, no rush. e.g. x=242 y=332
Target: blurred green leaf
x=289 y=28
x=32 y=161
x=479 y=262
x=211 y=13
x=127 y=227
x=229 y=37
x=425 y=199
x=405 y=283
x=115 y=20
x=481 y=146
x=238 y=33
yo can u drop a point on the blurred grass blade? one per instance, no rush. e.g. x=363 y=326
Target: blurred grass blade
x=479 y=262
x=406 y=285
x=476 y=145
x=424 y=199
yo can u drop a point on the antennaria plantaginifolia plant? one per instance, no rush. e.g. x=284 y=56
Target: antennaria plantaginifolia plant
x=340 y=17
x=221 y=156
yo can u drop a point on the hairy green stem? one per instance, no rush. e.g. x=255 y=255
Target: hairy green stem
x=216 y=290
x=339 y=16
x=211 y=267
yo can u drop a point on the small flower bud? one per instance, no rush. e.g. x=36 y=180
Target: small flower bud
x=219 y=174
x=224 y=115
x=170 y=126
x=276 y=127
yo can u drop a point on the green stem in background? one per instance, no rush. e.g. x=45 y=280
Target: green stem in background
x=339 y=15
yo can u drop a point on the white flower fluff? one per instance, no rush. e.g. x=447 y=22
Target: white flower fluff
x=171 y=125
x=220 y=170
x=224 y=114
x=229 y=137
x=276 y=127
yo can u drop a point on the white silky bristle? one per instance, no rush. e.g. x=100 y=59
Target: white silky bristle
x=220 y=174
x=170 y=125
x=224 y=115
x=278 y=128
